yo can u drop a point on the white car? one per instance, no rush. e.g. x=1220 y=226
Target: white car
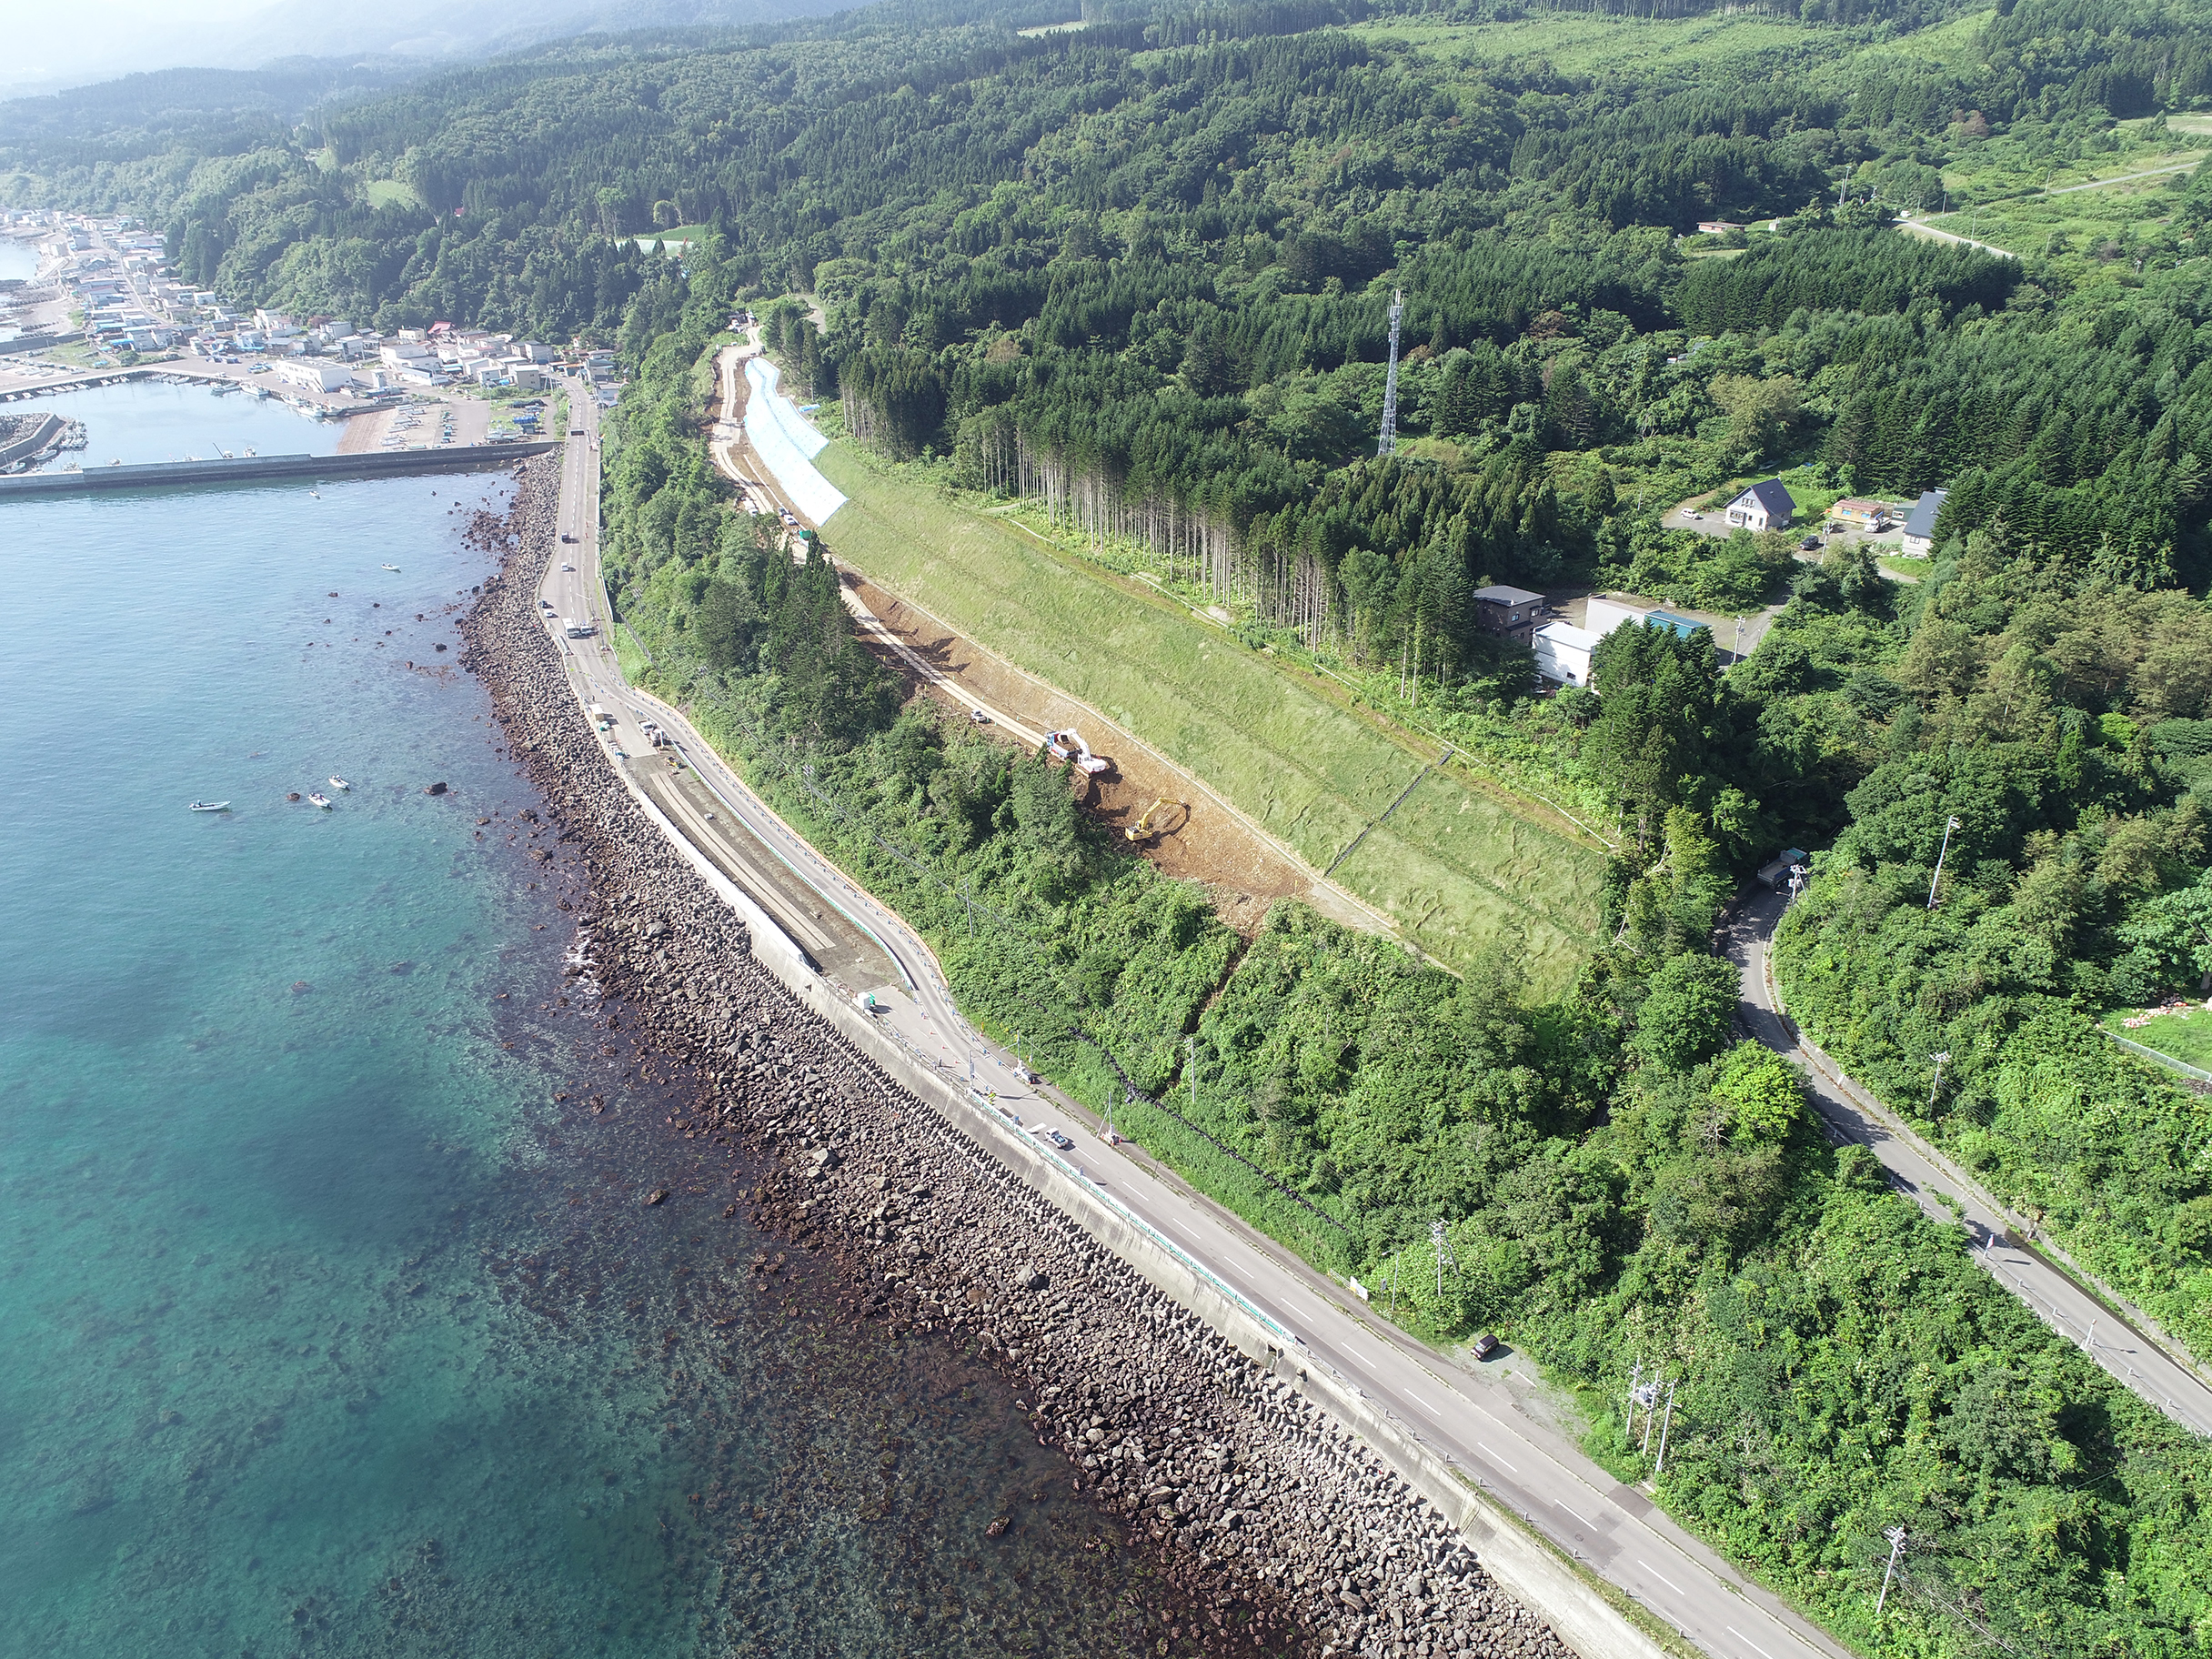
x=567 y=567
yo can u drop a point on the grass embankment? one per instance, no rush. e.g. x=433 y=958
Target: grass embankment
x=2184 y=1037
x=1456 y=869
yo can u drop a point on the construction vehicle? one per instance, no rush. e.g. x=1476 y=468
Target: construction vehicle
x=1069 y=746
x=1141 y=830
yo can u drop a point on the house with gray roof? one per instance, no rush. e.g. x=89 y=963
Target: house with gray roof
x=1766 y=506
x=1919 y=538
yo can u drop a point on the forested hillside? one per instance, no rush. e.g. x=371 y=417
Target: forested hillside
x=1130 y=285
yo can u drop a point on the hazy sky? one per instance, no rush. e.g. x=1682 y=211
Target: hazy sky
x=48 y=43
x=45 y=41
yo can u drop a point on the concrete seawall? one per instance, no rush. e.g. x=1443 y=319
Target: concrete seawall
x=30 y=445
x=170 y=475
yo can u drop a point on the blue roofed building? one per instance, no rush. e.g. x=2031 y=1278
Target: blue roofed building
x=1683 y=627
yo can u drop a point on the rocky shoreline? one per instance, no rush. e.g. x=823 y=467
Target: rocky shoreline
x=1288 y=1533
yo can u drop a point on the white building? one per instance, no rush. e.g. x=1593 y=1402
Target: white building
x=315 y=374
x=1563 y=653
x=1766 y=506
x=1604 y=613
x=1919 y=538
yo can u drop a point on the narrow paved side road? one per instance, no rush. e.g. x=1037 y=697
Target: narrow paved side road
x=1947 y=1193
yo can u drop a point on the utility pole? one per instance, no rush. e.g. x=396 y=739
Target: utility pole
x=1665 y=1423
x=1895 y=1535
x=1940 y=1056
x=1389 y=443
x=1628 y=1426
x=1943 y=852
x=1440 y=1240
x=1648 y=1398
x=1191 y=1049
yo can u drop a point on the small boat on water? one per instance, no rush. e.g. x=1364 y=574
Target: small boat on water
x=321 y=800
x=339 y=783
x=391 y=567
x=211 y=806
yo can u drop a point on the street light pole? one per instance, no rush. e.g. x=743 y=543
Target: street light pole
x=1943 y=852
x=1895 y=1535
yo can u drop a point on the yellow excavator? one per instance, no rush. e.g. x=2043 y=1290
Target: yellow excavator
x=1141 y=830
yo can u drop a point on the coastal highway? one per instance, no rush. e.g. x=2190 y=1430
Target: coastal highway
x=1491 y=1426
x=1945 y=1193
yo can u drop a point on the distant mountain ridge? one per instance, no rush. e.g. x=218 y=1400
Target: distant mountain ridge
x=398 y=35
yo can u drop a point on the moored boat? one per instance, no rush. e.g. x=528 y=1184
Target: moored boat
x=339 y=783
x=320 y=799
x=211 y=806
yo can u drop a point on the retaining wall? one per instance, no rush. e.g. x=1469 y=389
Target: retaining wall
x=40 y=436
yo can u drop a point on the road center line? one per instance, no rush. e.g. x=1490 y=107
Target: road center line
x=1747 y=1641
x=1662 y=1577
x=1494 y=1457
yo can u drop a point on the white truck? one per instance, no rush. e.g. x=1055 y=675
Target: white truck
x=578 y=630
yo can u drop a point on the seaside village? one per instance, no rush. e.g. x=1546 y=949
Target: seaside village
x=104 y=298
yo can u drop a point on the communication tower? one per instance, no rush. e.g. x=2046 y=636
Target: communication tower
x=1389 y=443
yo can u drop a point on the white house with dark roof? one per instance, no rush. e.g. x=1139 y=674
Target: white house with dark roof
x=1766 y=506
x=1919 y=538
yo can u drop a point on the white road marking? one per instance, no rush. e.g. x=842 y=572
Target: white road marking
x=1494 y=1457
x=1363 y=1359
x=1662 y=1577
x=1418 y=1400
x=1747 y=1641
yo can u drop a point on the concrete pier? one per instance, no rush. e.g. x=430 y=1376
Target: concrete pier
x=169 y=475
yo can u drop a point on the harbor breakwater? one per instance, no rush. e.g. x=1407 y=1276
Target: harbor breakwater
x=249 y=468
x=1258 y=1504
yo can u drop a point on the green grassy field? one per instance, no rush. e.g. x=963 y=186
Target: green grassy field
x=2187 y=1038
x=1580 y=43
x=390 y=193
x=1458 y=869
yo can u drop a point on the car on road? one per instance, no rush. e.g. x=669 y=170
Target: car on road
x=1059 y=1139
x=565 y=537
x=567 y=567
x=979 y=717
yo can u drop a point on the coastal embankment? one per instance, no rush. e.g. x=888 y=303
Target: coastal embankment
x=1257 y=1503
x=248 y=468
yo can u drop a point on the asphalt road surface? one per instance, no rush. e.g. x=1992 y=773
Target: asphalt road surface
x=1476 y=1418
x=1851 y=1115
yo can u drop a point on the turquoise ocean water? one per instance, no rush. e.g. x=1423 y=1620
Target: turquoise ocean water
x=329 y=1326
